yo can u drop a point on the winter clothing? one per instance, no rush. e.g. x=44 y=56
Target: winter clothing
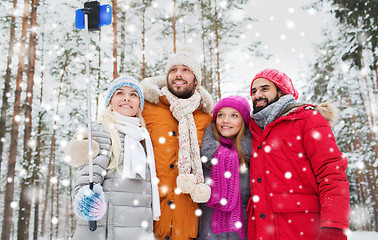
x=280 y=79
x=272 y=111
x=237 y=102
x=225 y=192
x=178 y=219
x=76 y=151
x=90 y=205
x=134 y=157
x=190 y=178
x=211 y=214
x=124 y=197
x=125 y=81
x=185 y=57
x=331 y=234
x=298 y=180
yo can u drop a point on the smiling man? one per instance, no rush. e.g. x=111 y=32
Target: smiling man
x=299 y=189
x=177 y=112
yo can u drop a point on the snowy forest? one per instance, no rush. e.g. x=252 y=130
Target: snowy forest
x=44 y=98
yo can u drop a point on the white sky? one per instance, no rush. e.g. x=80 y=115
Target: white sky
x=287 y=31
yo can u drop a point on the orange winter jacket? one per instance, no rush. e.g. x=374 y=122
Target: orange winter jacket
x=178 y=219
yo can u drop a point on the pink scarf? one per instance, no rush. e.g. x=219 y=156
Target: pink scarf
x=225 y=191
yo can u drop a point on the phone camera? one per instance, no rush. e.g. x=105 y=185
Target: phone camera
x=107 y=8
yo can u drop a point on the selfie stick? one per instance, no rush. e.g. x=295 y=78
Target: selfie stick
x=91 y=224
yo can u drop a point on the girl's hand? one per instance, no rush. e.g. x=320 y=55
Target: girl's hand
x=90 y=205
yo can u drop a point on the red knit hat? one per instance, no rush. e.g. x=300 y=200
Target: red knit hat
x=280 y=79
x=237 y=102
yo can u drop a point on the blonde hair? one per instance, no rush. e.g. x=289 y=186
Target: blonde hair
x=108 y=122
x=236 y=141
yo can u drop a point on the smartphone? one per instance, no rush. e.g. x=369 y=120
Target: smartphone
x=99 y=16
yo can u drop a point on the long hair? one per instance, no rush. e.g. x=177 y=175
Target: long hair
x=108 y=121
x=236 y=141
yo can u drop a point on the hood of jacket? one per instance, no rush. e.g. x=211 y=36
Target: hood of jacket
x=327 y=109
x=152 y=92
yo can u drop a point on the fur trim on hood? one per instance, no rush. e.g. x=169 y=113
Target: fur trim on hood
x=329 y=111
x=152 y=92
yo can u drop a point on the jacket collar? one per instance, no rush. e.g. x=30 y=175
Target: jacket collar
x=152 y=92
x=294 y=112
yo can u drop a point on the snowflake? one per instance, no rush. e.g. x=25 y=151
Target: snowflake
x=163 y=189
x=227 y=174
x=238 y=224
x=267 y=149
x=288 y=175
x=162 y=140
x=144 y=224
x=65 y=182
x=204 y=159
x=214 y=161
x=53 y=180
x=290 y=24
x=255 y=198
x=54 y=220
x=178 y=191
x=14 y=204
x=198 y=212
x=316 y=135
x=223 y=201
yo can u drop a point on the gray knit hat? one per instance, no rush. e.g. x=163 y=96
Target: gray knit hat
x=185 y=57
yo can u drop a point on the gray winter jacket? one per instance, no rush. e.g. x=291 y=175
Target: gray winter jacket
x=208 y=149
x=129 y=212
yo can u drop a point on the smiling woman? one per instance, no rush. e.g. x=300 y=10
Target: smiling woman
x=123 y=172
x=125 y=101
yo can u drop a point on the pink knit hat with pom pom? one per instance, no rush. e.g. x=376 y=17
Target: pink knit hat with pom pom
x=280 y=79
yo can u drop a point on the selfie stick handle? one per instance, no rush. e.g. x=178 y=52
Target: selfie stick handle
x=92 y=224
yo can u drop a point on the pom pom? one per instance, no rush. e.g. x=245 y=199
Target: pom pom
x=201 y=193
x=90 y=205
x=186 y=182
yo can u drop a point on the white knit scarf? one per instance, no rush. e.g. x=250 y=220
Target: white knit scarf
x=134 y=158
x=189 y=161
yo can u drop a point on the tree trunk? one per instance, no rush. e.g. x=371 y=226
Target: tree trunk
x=174 y=25
x=52 y=149
x=38 y=149
x=143 y=71
x=122 y=46
x=8 y=75
x=217 y=49
x=211 y=69
x=57 y=202
x=72 y=215
x=9 y=188
x=115 y=43
x=204 y=80
x=27 y=182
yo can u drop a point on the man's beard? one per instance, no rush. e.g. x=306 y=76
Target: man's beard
x=185 y=93
x=258 y=109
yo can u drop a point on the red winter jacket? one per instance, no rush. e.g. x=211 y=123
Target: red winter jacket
x=298 y=180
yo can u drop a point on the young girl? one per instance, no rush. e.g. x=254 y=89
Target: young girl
x=227 y=147
x=125 y=198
